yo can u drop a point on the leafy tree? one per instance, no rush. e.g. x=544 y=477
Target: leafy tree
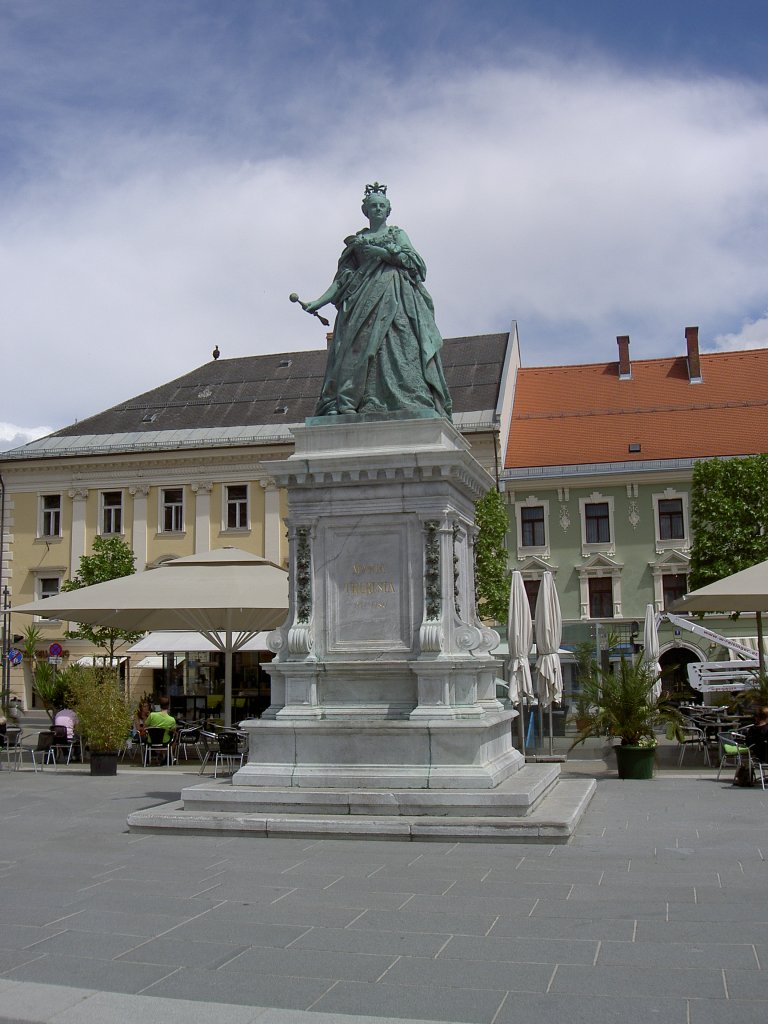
x=491 y=574
x=729 y=516
x=111 y=559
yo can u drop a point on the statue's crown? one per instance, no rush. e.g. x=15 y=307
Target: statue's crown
x=375 y=187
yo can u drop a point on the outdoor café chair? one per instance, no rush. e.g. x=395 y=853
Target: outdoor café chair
x=155 y=743
x=694 y=737
x=61 y=745
x=733 y=750
x=190 y=737
x=231 y=750
x=209 y=742
x=11 y=744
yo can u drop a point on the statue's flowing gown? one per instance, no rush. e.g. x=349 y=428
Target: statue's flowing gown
x=385 y=354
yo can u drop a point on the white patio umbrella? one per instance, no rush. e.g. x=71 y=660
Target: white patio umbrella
x=745 y=591
x=651 y=648
x=549 y=631
x=519 y=642
x=227 y=595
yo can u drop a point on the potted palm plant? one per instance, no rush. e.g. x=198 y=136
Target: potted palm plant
x=622 y=705
x=104 y=716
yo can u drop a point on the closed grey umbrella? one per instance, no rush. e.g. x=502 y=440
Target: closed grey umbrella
x=519 y=642
x=651 y=648
x=549 y=631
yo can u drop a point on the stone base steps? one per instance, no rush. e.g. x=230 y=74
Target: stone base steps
x=552 y=820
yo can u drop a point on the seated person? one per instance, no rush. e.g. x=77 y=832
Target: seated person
x=140 y=719
x=162 y=720
x=756 y=736
x=67 y=718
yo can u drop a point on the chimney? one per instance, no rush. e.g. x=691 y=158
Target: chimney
x=329 y=339
x=625 y=367
x=694 y=363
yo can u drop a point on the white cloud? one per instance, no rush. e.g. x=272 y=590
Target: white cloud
x=584 y=202
x=12 y=436
x=753 y=334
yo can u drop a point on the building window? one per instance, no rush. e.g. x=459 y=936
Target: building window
x=172 y=510
x=670 y=509
x=112 y=512
x=600 y=597
x=237 y=506
x=50 y=515
x=673 y=587
x=47 y=586
x=671 y=525
x=532 y=526
x=597 y=523
x=532 y=593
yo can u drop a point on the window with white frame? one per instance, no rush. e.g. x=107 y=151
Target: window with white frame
x=47 y=586
x=597 y=523
x=532 y=518
x=236 y=506
x=111 y=511
x=671 y=516
x=172 y=510
x=600 y=587
x=50 y=515
x=600 y=597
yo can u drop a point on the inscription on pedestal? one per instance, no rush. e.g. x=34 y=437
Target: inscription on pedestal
x=368 y=589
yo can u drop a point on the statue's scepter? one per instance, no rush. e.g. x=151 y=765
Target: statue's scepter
x=295 y=298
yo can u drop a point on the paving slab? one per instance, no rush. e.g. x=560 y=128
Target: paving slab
x=655 y=909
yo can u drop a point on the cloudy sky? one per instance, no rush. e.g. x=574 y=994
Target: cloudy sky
x=171 y=169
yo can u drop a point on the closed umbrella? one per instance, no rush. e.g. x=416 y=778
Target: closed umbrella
x=549 y=631
x=228 y=595
x=519 y=641
x=651 y=648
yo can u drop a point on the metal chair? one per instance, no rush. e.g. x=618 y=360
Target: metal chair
x=231 y=750
x=156 y=743
x=693 y=737
x=10 y=742
x=189 y=737
x=209 y=742
x=61 y=744
x=733 y=751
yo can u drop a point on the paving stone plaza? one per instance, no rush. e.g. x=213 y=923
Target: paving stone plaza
x=656 y=910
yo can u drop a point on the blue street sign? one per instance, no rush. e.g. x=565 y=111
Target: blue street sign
x=15 y=657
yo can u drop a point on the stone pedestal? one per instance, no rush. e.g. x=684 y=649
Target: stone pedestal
x=382 y=676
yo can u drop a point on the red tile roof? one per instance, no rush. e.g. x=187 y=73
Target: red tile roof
x=572 y=415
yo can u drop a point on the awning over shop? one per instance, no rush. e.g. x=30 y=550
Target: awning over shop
x=164 y=641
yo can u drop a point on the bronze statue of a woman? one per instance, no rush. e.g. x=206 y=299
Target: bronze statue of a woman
x=385 y=355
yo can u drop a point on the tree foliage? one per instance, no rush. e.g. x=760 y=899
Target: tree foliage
x=111 y=559
x=729 y=516
x=491 y=574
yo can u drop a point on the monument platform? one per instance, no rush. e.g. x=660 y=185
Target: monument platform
x=383 y=719
x=534 y=806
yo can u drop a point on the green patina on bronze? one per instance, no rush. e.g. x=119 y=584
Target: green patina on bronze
x=385 y=355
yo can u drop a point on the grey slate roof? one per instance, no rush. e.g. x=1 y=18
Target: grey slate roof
x=255 y=398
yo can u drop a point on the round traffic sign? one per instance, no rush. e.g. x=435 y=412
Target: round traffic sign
x=15 y=656
x=55 y=650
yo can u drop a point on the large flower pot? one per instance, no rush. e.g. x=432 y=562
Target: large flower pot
x=103 y=762
x=635 y=762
